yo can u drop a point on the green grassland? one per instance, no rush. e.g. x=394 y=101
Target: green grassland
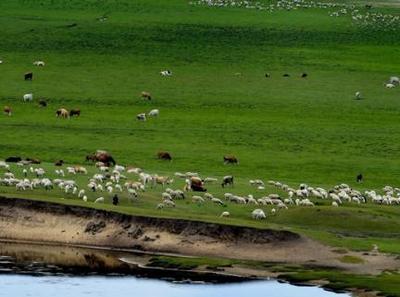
x=289 y=129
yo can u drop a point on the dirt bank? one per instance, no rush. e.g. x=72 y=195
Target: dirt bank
x=22 y=219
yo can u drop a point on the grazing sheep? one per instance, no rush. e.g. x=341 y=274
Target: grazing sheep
x=358 y=95
x=225 y=214
x=141 y=117
x=27 y=97
x=145 y=95
x=39 y=63
x=99 y=200
x=227 y=180
x=258 y=214
x=335 y=204
x=154 y=113
x=84 y=198
x=166 y=73
x=160 y=206
x=394 y=80
x=169 y=203
x=198 y=199
x=389 y=86
x=217 y=201
x=63 y=113
x=7 y=110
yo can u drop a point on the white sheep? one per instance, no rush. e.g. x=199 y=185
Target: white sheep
x=39 y=63
x=358 y=95
x=27 y=97
x=335 y=204
x=390 y=86
x=166 y=73
x=154 y=113
x=99 y=200
x=225 y=214
x=258 y=214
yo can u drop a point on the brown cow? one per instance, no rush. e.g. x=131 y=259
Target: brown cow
x=145 y=95
x=33 y=160
x=75 y=112
x=7 y=110
x=164 y=156
x=62 y=112
x=59 y=163
x=101 y=156
x=230 y=159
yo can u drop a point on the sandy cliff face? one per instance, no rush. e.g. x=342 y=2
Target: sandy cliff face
x=29 y=220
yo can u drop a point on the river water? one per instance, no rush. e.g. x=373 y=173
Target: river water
x=40 y=271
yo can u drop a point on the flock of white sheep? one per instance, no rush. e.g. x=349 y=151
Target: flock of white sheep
x=360 y=15
x=130 y=183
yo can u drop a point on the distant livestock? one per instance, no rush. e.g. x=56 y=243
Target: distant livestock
x=7 y=110
x=13 y=159
x=145 y=95
x=59 y=163
x=258 y=214
x=358 y=95
x=164 y=156
x=154 y=113
x=27 y=97
x=286 y=75
x=101 y=156
x=389 y=85
x=28 y=76
x=230 y=159
x=166 y=73
x=304 y=75
x=43 y=103
x=63 y=113
x=75 y=112
x=141 y=117
x=267 y=75
x=394 y=80
x=227 y=180
x=359 y=178
x=39 y=63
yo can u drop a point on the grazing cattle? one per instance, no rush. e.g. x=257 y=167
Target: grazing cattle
x=286 y=75
x=63 y=113
x=13 y=159
x=304 y=75
x=75 y=112
x=230 y=159
x=141 y=117
x=195 y=184
x=42 y=103
x=145 y=95
x=267 y=75
x=59 y=163
x=359 y=178
x=166 y=73
x=27 y=97
x=101 y=156
x=28 y=76
x=39 y=63
x=33 y=160
x=164 y=156
x=227 y=180
x=7 y=110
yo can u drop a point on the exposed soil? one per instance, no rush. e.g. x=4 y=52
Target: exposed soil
x=28 y=220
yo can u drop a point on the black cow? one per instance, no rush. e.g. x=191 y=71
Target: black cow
x=28 y=76
x=74 y=112
x=14 y=159
x=286 y=75
x=304 y=75
x=198 y=188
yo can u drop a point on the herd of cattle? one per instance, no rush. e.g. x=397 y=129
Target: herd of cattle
x=111 y=182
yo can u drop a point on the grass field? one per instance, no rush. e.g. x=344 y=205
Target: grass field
x=289 y=129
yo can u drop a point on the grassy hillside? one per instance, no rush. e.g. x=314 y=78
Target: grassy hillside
x=283 y=128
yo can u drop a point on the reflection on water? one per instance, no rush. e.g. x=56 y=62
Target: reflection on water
x=75 y=272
